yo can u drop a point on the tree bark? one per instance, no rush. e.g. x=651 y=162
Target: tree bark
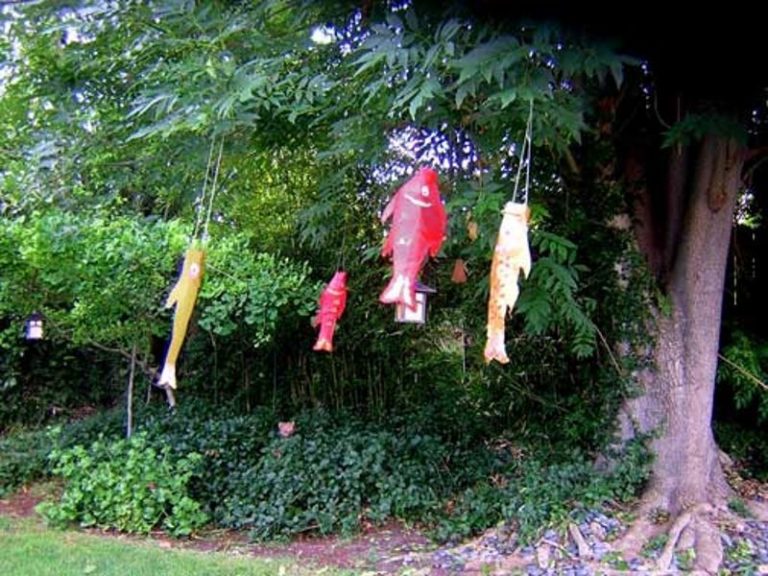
x=678 y=393
x=129 y=395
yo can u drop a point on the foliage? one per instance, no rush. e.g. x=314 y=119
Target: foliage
x=743 y=372
x=534 y=494
x=27 y=398
x=258 y=293
x=328 y=478
x=742 y=557
x=57 y=262
x=314 y=135
x=127 y=485
x=23 y=457
x=229 y=446
x=315 y=138
x=738 y=507
x=335 y=472
x=24 y=454
x=694 y=127
x=746 y=444
x=550 y=296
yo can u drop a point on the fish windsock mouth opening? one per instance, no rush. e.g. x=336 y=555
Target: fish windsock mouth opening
x=418 y=202
x=517 y=210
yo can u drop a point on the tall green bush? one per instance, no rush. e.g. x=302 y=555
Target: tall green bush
x=127 y=485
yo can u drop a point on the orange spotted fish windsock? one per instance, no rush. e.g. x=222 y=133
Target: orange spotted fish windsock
x=332 y=302
x=418 y=229
x=183 y=295
x=511 y=256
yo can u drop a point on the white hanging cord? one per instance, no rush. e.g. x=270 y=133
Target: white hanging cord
x=213 y=191
x=201 y=198
x=525 y=159
x=529 y=139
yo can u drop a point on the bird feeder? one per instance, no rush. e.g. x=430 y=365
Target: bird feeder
x=33 y=327
x=418 y=313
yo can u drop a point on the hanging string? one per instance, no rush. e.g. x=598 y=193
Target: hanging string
x=525 y=159
x=529 y=138
x=213 y=191
x=343 y=252
x=201 y=198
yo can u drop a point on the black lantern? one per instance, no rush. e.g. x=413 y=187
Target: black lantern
x=417 y=314
x=33 y=327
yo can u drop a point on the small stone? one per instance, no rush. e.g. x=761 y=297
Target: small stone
x=477 y=566
x=597 y=530
x=599 y=550
x=614 y=524
x=543 y=556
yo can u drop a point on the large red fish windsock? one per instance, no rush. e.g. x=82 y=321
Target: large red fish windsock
x=418 y=230
x=332 y=302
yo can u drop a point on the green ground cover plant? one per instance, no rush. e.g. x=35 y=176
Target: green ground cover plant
x=127 y=485
x=334 y=473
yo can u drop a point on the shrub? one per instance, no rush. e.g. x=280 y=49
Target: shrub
x=328 y=478
x=229 y=446
x=334 y=473
x=127 y=485
x=23 y=459
x=534 y=494
x=24 y=456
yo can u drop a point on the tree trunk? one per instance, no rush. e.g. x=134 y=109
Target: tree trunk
x=678 y=394
x=129 y=395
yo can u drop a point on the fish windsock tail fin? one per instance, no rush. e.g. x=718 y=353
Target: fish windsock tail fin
x=168 y=377
x=173 y=297
x=495 y=349
x=323 y=345
x=400 y=290
x=525 y=265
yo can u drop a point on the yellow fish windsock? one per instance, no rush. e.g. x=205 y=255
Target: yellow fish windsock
x=183 y=295
x=511 y=256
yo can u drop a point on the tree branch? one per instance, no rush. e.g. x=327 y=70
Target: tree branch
x=756 y=152
x=744 y=372
x=150 y=372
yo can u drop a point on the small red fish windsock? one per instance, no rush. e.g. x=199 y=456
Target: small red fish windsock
x=418 y=230
x=332 y=302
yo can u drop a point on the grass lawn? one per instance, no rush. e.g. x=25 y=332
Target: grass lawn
x=27 y=548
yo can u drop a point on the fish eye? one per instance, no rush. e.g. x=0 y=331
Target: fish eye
x=425 y=191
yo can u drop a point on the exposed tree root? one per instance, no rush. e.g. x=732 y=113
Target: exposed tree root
x=694 y=542
x=585 y=552
x=709 y=547
x=665 y=559
x=641 y=532
x=759 y=510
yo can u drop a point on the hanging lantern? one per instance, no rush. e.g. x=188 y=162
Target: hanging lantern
x=418 y=313
x=459 y=275
x=33 y=327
